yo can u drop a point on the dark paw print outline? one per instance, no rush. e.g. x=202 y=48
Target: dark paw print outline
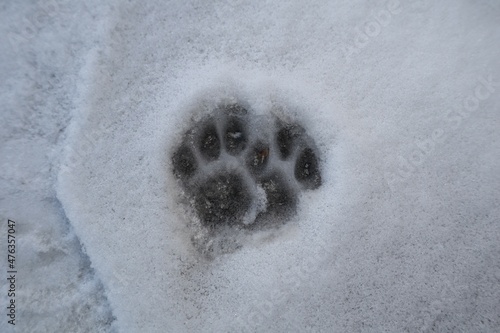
x=243 y=170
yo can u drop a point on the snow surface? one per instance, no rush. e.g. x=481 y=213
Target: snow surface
x=401 y=97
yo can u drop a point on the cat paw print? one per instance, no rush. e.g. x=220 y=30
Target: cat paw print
x=245 y=171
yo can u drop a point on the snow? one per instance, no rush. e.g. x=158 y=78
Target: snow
x=401 y=98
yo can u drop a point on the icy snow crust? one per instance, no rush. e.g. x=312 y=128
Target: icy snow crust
x=401 y=99
x=43 y=48
x=157 y=220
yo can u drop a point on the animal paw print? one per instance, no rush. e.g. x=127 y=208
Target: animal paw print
x=244 y=171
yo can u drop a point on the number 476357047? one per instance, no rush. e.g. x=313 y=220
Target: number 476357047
x=11 y=244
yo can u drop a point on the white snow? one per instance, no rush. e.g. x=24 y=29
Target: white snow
x=401 y=97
